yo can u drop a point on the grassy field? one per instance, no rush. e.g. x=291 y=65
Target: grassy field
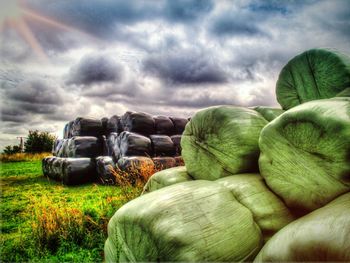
x=43 y=220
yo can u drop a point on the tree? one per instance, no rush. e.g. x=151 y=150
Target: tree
x=12 y=149
x=38 y=142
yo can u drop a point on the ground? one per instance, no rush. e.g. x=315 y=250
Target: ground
x=43 y=220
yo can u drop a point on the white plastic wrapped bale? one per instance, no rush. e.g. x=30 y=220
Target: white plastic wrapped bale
x=163 y=125
x=78 y=171
x=305 y=153
x=269 y=211
x=179 y=124
x=268 y=113
x=162 y=163
x=114 y=125
x=104 y=166
x=138 y=122
x=87 y=127
x=84 y=147
x=167 y=177
x=133 y=144
x=162 y=145
x=196 y=221
x=222 y=141
x=177 y=143
x=321 y=236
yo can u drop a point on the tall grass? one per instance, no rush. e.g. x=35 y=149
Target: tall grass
x=23 y=157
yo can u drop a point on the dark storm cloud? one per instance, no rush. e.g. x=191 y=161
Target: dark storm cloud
x=187 y=10
x=185 y=67
x=95 y=69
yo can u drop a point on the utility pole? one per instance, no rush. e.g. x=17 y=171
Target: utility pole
x=21 y=143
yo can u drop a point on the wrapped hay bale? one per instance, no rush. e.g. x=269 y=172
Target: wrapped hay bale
x=84 y=147
x=104 y=165
x=78 y=171
x=162 y=163
x=305 y=153
x=45 y=165
x=56 y=168
x=179 y=161
x=320 y=236
x=133 y=144
x=87 y=127
x=268 y=113
x=179 y=124
x=67 y=132
x=312 y=75
x=269 y=212
x=63 y=149
x=114 y=125
x=57 y=146
x=221 y=141
x=177 y=143
x=104 y=122
x=162 y=145
x=194 y=221
x=344 y=93
x=138 y=122
x=166 y=178
x=113 y=146
x=163 y=125
x=135 y=163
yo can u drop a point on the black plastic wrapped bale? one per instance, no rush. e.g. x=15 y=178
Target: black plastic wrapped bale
x=56 y=146
x=165 y=178
x=179 y=124
x=87 y=127
x=134 y=163
x=104 y=145
x=104 y=122
x=162 y=145
x=48 y=166
x=320 y=236
x=104 y=167
x=56 y=168
x=133 y=144
x=84 y=147
x=177 y=143
x=114 y=124
x=163 y=125
x=67 y=132
x=45 y=165
x=113 y=146
x=63 y=150
x=138 y=122
x=78 y=171
x=162 y=163
x=195 y=221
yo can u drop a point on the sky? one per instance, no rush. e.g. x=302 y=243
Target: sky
x=62 y=59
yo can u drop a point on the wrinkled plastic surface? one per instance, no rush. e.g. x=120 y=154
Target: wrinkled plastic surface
x=314 y=74
x=221 y=141
x=138 y=122
x=104 y=165
x=179 y=124
x=320 y=236
x=305 y=153
x=269 y=211
x=166 y=178
x=87 y=127
x=268 y=113
x=114 y=125
x=177 y=143
x=113 y=146
x=87 y=146
x=163 y=125
x=193 y=221
x=133 y=144
x=135 y=163
x=162 y=145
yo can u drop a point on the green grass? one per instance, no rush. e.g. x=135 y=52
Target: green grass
x=43 y=220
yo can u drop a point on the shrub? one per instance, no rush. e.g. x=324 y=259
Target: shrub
x=12 y=149
x=38 y=142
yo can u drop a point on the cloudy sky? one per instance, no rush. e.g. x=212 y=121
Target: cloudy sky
x=61 y=59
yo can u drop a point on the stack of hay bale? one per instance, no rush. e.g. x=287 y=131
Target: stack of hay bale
x=90 y=148
x=258 y=184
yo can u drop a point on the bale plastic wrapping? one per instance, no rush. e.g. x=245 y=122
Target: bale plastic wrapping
x=179 y=124
x=315 y=74
x=163 y=125
x=268 y=113
x=305 y=153
x=162 y=163
x=177 y=143
x=104 y=167
x=193 y=221
x=133 y=144
x=77 y=171
x=138 y=122
x=84 y=147
x=162 y=145
x=321 y=236
x=221 y=141
x=87 y=127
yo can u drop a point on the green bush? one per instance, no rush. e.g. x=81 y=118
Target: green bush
x=38 y=142
x=12 y=149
